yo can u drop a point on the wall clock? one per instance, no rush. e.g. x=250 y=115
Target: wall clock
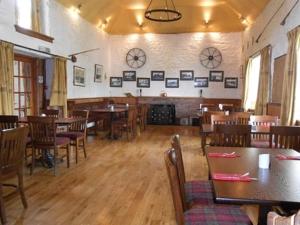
x=210 y=58
x=136 y=58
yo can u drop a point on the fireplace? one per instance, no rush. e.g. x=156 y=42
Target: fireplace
x=162 y=114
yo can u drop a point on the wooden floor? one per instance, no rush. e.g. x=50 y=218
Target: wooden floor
x=121 y=183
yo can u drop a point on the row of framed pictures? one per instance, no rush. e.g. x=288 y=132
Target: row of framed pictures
x=79 y=75
x=199 y=82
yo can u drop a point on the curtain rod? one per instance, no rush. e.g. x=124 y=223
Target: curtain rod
x=35 y=50
x=287 y=15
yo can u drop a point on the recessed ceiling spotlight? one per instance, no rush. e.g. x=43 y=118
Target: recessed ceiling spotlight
x=244 y=21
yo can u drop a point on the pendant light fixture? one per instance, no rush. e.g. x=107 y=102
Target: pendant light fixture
x=163 y=13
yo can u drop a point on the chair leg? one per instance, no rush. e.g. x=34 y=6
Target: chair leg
x=21 y=187
x=54 y=161
x=2 y=209
x=68 y=155
x=76 y=150
x=84 y=150
x=32 y=160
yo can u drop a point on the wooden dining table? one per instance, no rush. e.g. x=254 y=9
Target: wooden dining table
x=58 y=121
x=277 y=186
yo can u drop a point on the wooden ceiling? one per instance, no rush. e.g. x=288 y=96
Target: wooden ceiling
x=124 y=16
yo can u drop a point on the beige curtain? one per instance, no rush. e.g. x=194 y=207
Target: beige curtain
x=35 y=15
x=6 y=78
x=289 y=80
x=59 y=84
x=246 y=84
x=264 y=82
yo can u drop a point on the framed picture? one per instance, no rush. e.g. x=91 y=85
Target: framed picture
x=231 y=82
x=143 y=82
x=216 y=76
x=186 y=75
x=172 y=83
x=201 y=82
x=129 y=75
x=157 y=75
x=98 y=73
x=78 y=76
x=116 y=81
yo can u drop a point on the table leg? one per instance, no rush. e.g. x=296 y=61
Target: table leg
x=203 y=142
x=111 y=124
x=263 y=214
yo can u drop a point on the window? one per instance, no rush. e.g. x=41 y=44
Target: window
x=252 y=80
x=297 y=94
x=24 y=15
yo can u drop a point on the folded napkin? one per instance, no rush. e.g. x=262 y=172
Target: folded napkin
x=232 y=177
x=222 y=155
x=286 y=157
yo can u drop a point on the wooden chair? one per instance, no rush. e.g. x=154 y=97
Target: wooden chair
x=50 y=112
x=12 y=147
x=213 y=213
x=262 y=140
x=126 y=124
x=142 y=116
x=285 y=137
x=276 y=219
x=8 y=122
x=77 y=132
x=195 y=192
x=232 y=135
x=206 y=119
x=297 y=123
x=228 y=107
x=242 y=118
x=222 y=119
x=43 y=136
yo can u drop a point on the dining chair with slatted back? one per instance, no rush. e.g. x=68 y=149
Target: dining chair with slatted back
x=126 y=124
x=77 y=132
x=232 y=135
x=222 y=119
x=242 y=118
x=43 y=136
x=206 y=119
x=12 y=147
x=8 y=122
x=50 y=112
x=285 y=137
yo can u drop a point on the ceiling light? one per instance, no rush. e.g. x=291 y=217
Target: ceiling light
x=165 y=13
x=206 y=23
x=244 y=21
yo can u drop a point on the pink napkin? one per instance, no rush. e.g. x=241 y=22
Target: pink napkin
x=285 y=157
x=231 y=177
x=222 y=155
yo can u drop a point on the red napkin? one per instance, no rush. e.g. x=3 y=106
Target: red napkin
x=285 y=157
x=231 y=177
x=222 y=155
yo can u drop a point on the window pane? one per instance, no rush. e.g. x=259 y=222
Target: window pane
x=16 y=68
x=24 y=13
x=16 y=101
x=16 y=84
x=25 y=85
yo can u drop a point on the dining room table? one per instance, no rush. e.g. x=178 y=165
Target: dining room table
x=278 y=185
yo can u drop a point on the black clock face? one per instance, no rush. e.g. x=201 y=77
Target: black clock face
x=210 y=58
x=136 y=58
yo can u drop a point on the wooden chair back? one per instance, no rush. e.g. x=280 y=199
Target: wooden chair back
x=297 y=123
x=42 y=131
x=228 y=107
x=222 y=119
x=12 y=149
x=175 y=186
x=206 y=119
x=8 y=122
x=232 y=135
x=263 y=120
x=242 y=118
x=79 y=126
x=50 y=112
x=285 y=137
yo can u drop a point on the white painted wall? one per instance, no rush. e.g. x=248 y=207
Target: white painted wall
x=71 y=35
x=175 y=52
x=275 y=34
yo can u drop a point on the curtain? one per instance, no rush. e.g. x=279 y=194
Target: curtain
x=264 y=82
x=35 y=15
x=246 y=84
x=289 y=80
x=6 y=78
x=59 y=84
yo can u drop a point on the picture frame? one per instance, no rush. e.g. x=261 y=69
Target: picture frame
x=157 y=75
x=116 y=82
x=78 y=76
x=172 y=83
x=143 y=82
x=98 y=77
x=216 y=76
x=186 y=74
x=231 y=82
x=201 y=82
x=129 y=75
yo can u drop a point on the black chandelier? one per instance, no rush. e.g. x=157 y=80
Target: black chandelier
x=166 y=13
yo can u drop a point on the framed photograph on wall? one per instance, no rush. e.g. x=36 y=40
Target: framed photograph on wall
x=231 y=82
x=201 y=82
x=78 y=76
x=157 y=75
x=186 y=75
x=129 y=75
x=172 y=83
x=116 y=82
x=216 y=76
x=98 y=73
x=143 y=82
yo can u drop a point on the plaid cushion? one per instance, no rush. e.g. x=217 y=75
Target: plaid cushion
x=216 y=215
x=199 y=192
